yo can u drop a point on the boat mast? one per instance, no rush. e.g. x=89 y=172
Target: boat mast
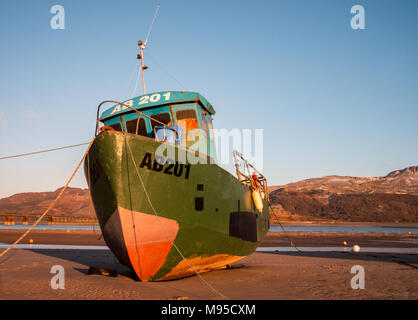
x=142 y=45
x=140 y=56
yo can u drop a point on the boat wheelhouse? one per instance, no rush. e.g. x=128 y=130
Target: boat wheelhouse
x=178 y=117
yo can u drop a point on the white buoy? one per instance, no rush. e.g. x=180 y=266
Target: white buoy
x=356 y=248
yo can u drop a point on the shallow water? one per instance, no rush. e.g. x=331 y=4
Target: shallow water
x=49 y=227
x=342 y=229
x=337 y=249
x=337 y=229
x=53 y=247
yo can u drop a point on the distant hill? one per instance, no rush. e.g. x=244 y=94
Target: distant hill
x=74 y=202
x=391 y=198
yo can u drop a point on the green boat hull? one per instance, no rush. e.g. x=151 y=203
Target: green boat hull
x=167 y=221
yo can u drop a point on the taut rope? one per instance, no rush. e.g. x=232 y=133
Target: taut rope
x=42 y=151
x=51 y=205
x=165 y=230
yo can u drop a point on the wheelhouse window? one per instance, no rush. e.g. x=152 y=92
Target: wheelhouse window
x=187 y=120
x=204 y=122
x=116 y=126
x=137 y=127
x=161 y=117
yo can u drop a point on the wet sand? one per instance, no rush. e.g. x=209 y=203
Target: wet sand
x=273 y=239
x=73 y=237
x=331 y=239
x=25 y=274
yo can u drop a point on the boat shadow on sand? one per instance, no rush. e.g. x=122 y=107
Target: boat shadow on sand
x=97 y=259
x=100 y=260
x=104 y=259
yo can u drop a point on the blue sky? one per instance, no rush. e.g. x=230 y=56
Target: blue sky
x=331 y=100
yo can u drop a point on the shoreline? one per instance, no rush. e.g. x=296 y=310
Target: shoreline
x=346 y=223
x=272 y=239
x=273 y=222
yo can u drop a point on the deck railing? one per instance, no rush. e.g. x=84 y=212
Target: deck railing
x=259 y=183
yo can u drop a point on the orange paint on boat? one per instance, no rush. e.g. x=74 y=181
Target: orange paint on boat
x=148 y=239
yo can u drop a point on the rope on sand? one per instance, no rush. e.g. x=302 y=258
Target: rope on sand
x=285 y=232
x=51 y=205
x=65 y=187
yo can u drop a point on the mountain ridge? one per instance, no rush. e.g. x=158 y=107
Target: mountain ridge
x=391 y=198
x=403 y=181
x=73 y=202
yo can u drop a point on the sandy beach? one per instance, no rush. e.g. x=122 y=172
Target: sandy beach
x=25 y=274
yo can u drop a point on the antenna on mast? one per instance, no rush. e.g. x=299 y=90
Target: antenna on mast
x=142 y=45
x=150 y=27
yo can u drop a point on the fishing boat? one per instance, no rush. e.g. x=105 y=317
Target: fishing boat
x=165 y=207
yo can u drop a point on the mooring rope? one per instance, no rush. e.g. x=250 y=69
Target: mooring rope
x=165 y=230
x=132 y=213
x=65 y=187
x=285 y=232
x=42 y=151
x=52 y=203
